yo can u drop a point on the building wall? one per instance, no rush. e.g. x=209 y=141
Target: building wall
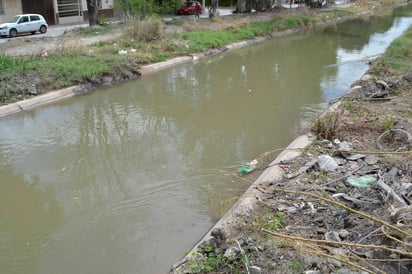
x=11 y=8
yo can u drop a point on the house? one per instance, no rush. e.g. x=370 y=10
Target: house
x=55 y=11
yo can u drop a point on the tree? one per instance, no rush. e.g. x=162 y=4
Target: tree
x=92 y=12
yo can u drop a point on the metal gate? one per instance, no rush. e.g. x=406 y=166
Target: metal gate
x=43 y=7
x=70 y=11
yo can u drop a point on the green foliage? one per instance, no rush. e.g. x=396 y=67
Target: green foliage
x=272 y=223
x=203 y=40
x=209 y=259
x=11 y=64
x=299 y=21
x=296 y=267
x=160 y=57
x=398 y=57
x=388 y=123
x=60 y=69
x=145 y=8
x=103 y=20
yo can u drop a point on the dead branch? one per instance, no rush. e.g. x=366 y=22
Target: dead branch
x=362 y=214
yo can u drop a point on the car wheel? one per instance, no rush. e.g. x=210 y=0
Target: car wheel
x=13 y=33
x=43 y=29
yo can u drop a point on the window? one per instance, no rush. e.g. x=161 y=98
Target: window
x=24 y=19
x=1 y=7
x=34 y=18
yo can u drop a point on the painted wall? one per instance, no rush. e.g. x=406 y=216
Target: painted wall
x=11 y=8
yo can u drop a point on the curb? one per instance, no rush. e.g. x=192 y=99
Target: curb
x=38 y=101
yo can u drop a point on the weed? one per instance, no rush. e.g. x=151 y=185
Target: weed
x=296 y=267
x=326 y=126
x=388 y=123
x=272 y=223
x=349 y=105
x=398 y=57
x=144 y=30
x=207 y=259
x=405 y=112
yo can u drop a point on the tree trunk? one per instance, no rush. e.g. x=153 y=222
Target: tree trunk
x=92 y=12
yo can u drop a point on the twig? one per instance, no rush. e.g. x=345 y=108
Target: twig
x=369 y=234
x=341 y=260
x=393 y=238
x=381 y=184
x=297 y=238
x=362 y=214
x=343 y=177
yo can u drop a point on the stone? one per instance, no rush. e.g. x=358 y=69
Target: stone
x=327 y=163
x=231 y=253
x=343 y=233
x=255 y=270
x=371 y=160
x=332 y=236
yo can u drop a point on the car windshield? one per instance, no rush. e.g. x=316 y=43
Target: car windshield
x=14 y=19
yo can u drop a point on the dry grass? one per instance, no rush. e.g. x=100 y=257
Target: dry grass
x=217 y=23
x=327 y=126
x=144 y=30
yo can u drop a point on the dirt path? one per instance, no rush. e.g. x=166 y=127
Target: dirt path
x=40 y=45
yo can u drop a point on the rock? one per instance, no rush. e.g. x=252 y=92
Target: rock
x=335 y=262
x=343 y=233
x=371 y=160
x=327 y=163
x=313 y=272
x=219 y=235
x=32 y=90
x=332 y=236
x=355 y=157
x=255 y=270
x=231 y=253
x=344 y=146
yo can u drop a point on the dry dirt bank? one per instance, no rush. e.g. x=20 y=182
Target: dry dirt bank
x=344 y=205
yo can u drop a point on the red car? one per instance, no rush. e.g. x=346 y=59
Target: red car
x=190 y=7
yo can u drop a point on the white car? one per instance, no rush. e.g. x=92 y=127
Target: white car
x=24 y=23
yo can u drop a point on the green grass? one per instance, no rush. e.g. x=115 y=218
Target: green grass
x=398 y=57
x=203 y=40
x=55 y=71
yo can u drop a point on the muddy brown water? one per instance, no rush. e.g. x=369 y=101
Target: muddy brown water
x=126 y=179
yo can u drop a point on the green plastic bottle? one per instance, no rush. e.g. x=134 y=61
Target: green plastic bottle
x=244 y=170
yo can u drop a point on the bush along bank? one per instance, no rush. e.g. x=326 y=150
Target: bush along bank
x=141 y=43
x=344 y=204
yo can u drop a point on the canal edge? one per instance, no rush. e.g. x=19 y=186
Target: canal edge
x=65 y=93
x=248 y=201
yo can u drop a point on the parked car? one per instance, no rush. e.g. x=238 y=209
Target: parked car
x=24 y=23
x=189 y=8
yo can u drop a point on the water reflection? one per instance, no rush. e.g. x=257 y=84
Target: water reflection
x=126 y=179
